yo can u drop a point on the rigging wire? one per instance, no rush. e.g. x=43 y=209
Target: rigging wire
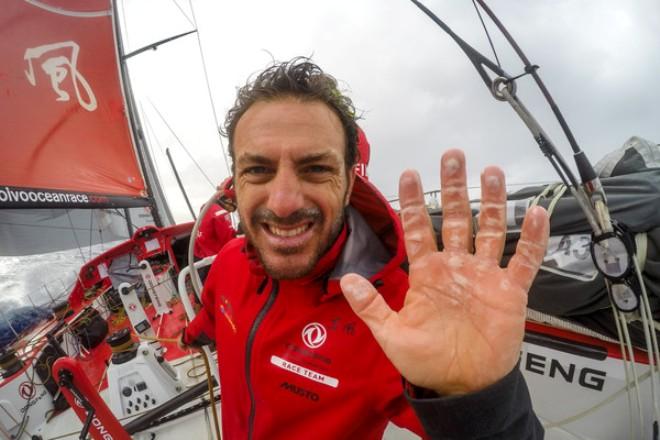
x=182 y=146
x=169 y=157
x=588 y=193
x=176 y=3
x=28 y=225
x=208 y=87
x=528 y=66
x=91 y=222
x=490 y=41
x=149 y=133
x=102 y=242
x=123 y=17
x=75 y=236
x=116 y=211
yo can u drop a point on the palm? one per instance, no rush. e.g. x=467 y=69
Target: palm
x=446 y=310
x=462 y=322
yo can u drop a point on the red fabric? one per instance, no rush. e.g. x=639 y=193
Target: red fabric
x=343 y=388
x=365 y=152
x=214 y=232
x=64 y=123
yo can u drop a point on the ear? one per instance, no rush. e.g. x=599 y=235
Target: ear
x=350 y=177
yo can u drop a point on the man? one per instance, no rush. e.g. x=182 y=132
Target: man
x=214 y=232
x=300 y=360
x=215 y=229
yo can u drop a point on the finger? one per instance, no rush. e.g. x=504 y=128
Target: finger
x=456 y=213
x=492 y=216
x=368 y=304
x=531 y=248
x=417 y=229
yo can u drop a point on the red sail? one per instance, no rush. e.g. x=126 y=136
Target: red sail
x=65 y=139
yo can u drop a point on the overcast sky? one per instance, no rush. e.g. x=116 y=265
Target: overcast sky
x=417 y=92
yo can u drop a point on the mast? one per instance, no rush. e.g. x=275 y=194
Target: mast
x=160 y=210
x=178 y=180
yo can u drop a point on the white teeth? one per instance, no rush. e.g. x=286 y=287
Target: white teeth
x=287 y=232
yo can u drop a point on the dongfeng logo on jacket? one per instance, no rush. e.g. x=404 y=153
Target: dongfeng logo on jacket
x=314 y=335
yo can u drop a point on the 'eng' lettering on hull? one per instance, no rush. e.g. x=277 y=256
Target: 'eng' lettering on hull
x=586 y=377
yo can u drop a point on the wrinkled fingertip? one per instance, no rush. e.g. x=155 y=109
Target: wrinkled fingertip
x=538 y=218
x=410 y=187
x=453 y=153
x=409 y=176
x=355 y=287
x=493 y=179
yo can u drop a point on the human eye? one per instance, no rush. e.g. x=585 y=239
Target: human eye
x=317 y=172
x=318 y=169
x=256 y=173
x=256 y=170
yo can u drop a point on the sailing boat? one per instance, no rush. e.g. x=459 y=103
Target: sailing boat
x=79 y=156
x=82 y=149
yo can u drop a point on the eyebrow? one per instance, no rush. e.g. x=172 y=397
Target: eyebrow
x=250 y=158
x=254 y=159
x=313 y=158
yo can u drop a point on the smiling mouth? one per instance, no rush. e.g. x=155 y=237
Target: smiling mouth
x=287 y=232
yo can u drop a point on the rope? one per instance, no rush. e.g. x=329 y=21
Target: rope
x=593 y=409
x=633 y=368
x=209 y=381
x=560 y=190
x=651 y=338
x=543 y=194
x=126 y=346
x=554 y=321
x=641 y=242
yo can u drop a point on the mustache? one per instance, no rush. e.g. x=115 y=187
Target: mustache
x=264 y=215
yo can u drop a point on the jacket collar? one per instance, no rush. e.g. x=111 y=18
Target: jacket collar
x=374 y=245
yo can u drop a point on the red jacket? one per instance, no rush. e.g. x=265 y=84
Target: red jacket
x=295 y=361
x=214 y=232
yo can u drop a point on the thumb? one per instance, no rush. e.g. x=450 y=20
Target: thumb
x=368 y=304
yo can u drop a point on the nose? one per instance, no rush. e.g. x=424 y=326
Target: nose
x=285 y=193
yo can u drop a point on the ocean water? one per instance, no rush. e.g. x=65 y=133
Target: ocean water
x=30 y=284
x=44 y=278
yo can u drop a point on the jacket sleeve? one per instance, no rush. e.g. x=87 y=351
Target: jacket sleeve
x=500 y=411
x=201 y=330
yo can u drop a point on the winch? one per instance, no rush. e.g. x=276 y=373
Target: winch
x=139 y=378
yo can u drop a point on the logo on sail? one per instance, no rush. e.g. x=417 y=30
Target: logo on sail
x=58 y=67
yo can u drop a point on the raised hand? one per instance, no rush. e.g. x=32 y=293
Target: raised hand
x=463 y=318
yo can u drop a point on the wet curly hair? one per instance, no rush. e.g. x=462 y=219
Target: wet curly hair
x=302 y=79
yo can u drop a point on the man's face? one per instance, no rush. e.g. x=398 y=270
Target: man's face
x=291 y=182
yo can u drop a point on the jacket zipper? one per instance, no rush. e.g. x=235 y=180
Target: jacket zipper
x=248 y=352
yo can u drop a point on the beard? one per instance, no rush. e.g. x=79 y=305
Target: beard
x=307 y=214
x=314 y=214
